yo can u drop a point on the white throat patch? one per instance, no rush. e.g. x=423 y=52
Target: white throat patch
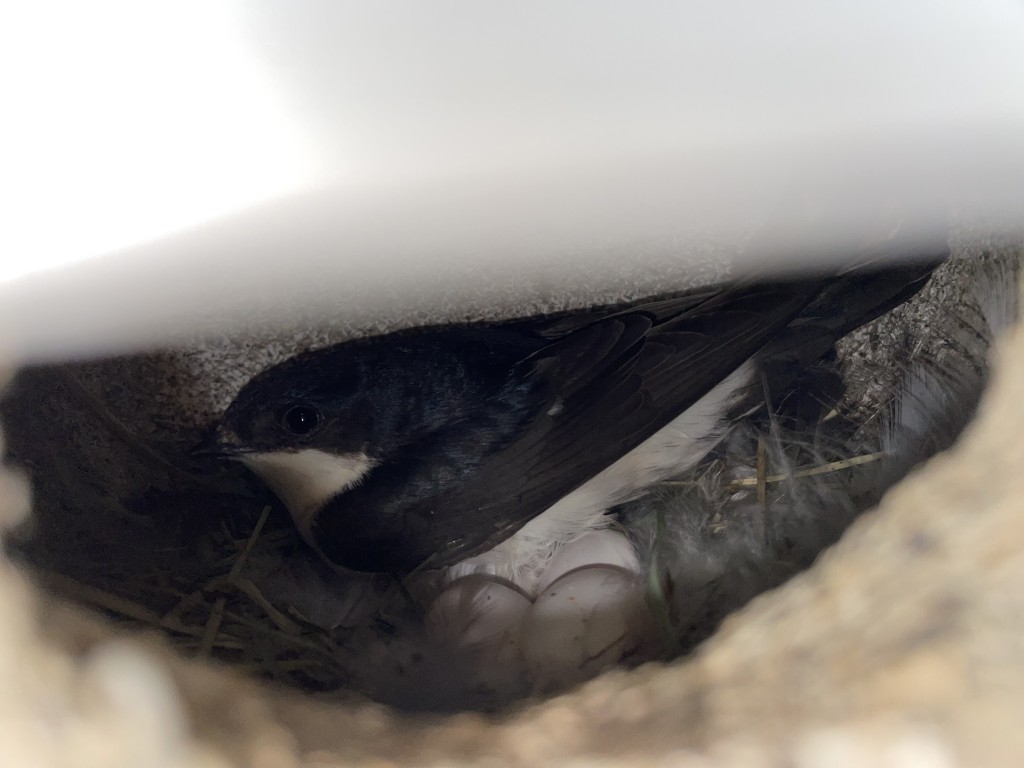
x=306 y=480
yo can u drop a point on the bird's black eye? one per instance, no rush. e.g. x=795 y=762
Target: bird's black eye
x=301 y=419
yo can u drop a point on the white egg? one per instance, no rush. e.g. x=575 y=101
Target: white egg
x=478 y=612
x=603 y=547
x=582 y=623
x=475 y=630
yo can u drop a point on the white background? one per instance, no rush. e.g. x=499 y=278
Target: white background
x=202 y=163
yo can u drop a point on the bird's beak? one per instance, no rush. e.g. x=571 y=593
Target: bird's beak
x=220 y=443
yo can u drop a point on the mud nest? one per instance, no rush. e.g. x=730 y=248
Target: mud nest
x=126 y=524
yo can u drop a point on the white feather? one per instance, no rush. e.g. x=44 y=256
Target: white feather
x=998 y=294
x=307 y=479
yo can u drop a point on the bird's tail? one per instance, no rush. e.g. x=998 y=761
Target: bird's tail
x=775 y=495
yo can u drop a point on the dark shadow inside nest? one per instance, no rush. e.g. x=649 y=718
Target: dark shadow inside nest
x=120 y=524
x=124 y=523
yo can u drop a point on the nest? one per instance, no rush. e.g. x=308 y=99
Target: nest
x=126 y=525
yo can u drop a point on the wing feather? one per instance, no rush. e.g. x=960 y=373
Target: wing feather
x=592 y=394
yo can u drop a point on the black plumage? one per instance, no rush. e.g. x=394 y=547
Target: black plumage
x=474 y=431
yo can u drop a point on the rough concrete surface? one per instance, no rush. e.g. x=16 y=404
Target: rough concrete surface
x=901 y=647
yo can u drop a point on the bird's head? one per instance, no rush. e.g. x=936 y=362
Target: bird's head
x=306 y=428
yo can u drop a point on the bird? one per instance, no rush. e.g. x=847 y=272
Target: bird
x=496 y=453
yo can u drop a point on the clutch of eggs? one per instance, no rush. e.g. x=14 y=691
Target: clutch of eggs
x=589 y=612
